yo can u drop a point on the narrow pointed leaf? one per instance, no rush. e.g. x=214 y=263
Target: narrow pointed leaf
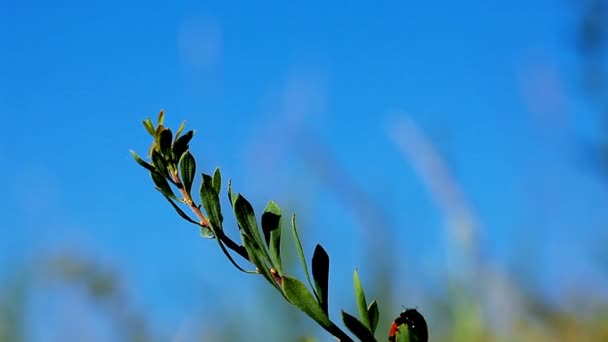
x=211 y=202
x=179 y=130
x=149 y=127
x=301 y=256
x=217 y=180
x=320 y=275
x=162 y=185
x=245 y=216
x=374 y=315
x=187 y=166
x=165 y=139
x=181 y=144
x=360 y=299
x=161 y=116
x=357 y=327
x=142 y=162
x=403 y=335
x=271 y=226
x=231 y=195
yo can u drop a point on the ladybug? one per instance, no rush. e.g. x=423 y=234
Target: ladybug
x=414 y=321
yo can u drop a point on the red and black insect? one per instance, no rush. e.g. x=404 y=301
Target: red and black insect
x=414 y=321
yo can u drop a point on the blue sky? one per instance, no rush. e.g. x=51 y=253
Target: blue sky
x=495 y=89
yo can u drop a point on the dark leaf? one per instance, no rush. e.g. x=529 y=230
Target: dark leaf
x=320 y=274
x=374 y=315
x=211 y=202
x=271 y=226
x=162 y=185
x=181 y=144
x=165 y=139
x=160 y=163
x=360 y=299
x=142 y=162
x=187 y=166
x=357 y=328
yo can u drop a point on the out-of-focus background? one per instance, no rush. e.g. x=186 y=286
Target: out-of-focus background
x=456 y=154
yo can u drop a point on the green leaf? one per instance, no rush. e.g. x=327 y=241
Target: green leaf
x=187 y=166
x=256 y=256
x=181 y=144
x=160 y=163
x=162 y=185
x=211 y=202
x=301 y=256
x=271 y=226
x=142 y=162
x=360 y=299
x=245 y=216
x=374 y=315
x=320 y=274
x=231 y=196
x=357 y=327
x=149 y=127
x=297 y=293
x=207 y=233
x=179 y=130
x=161 y=116
x=217 y=180
x=165 y=139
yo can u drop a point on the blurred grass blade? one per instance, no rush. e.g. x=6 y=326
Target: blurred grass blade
x=320 y=274
x=360 y=299
x=301 y=256
x=211 y=203
x=271 y=226
x=187 y=166
x=357 y=327
x=142 y=162
x=374 y=315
